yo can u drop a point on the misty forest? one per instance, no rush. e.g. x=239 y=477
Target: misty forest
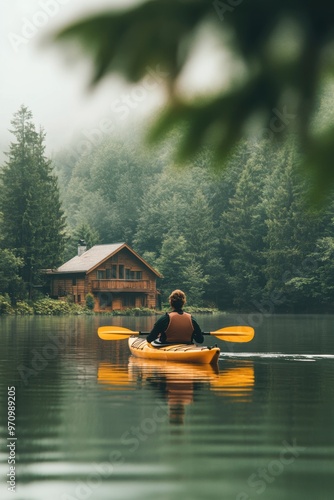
x=248 y=236
x=245 y=220
x=149 y=146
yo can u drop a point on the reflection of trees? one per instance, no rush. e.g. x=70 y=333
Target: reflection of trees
x=49 y=362
x=38 y=385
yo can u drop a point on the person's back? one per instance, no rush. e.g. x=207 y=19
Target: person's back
x=180 y=328
x=176 y=327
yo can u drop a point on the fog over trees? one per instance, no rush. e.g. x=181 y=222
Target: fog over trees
x=244 y=237
x=237 y=238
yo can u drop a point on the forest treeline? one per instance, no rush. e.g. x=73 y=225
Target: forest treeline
x=245 y=237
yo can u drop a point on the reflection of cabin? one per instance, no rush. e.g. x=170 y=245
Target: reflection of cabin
x=115 y=274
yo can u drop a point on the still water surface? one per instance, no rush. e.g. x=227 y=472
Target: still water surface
x=92 y=422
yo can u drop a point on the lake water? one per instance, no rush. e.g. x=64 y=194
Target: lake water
x=92 y=422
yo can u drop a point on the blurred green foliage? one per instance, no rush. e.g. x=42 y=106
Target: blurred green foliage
x=280 y=59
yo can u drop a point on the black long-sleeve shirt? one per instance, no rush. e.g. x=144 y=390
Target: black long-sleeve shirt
x=161 y=325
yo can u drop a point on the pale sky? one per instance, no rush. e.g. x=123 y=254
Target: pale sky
x=56 y=92
x=40 y=76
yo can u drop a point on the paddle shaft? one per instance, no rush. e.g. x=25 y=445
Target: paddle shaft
x=229 y=334
x=203 y=333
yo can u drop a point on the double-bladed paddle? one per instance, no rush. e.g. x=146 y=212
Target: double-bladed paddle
x=229 y=333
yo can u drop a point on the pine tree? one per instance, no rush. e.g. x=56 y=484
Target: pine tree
x=33 y=221
x=10 y=281
x=203 y=243
x=180 y=270
x=293 y=229
x=82 y=232
x=243 y=230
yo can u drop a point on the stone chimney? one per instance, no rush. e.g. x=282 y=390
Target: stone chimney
x=82 y=247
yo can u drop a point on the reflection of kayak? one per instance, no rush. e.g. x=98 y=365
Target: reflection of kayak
x=236 y=380
x=177 y=352
x=148 y=368
x=177 y=380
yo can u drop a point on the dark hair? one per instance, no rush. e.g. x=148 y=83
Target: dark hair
x=177 y=299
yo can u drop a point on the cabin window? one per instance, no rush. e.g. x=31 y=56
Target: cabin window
x=139 y=275
x=108 y=274
x=100 y=275
x=74 y=281
x=121 y=272
x=114 y=271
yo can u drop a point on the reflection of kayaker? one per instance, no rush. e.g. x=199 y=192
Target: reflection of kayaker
x=176 y=327
x=178 y=383
x=177 y=393
x=175 y=383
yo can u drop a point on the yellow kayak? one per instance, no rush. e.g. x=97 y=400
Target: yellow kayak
x=177 y=352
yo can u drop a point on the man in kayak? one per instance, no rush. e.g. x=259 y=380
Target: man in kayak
x=176 y=327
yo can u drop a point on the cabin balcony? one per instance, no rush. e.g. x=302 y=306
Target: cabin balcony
x=114 y=285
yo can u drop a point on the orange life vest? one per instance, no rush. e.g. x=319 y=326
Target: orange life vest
x=180 y=328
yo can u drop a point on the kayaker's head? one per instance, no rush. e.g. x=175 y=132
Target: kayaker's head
x=177 y=299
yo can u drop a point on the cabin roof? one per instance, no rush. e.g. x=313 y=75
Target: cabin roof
x=95 y=256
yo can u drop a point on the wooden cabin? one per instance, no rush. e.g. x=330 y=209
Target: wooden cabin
x=115 y=275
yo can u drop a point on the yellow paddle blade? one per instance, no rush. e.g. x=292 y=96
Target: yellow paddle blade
x=235 y=333
x=114 y=332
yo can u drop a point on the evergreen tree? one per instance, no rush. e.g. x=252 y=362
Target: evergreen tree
x=320 y=284
x=163 y=209
x=194 y=282
x=82 y=232
x=203 y=243
x=172 y=262
x=106 y=187
x=10 y=281
x=243 y=230
x=180 y=270
x=292 y=231
x=33 y=221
